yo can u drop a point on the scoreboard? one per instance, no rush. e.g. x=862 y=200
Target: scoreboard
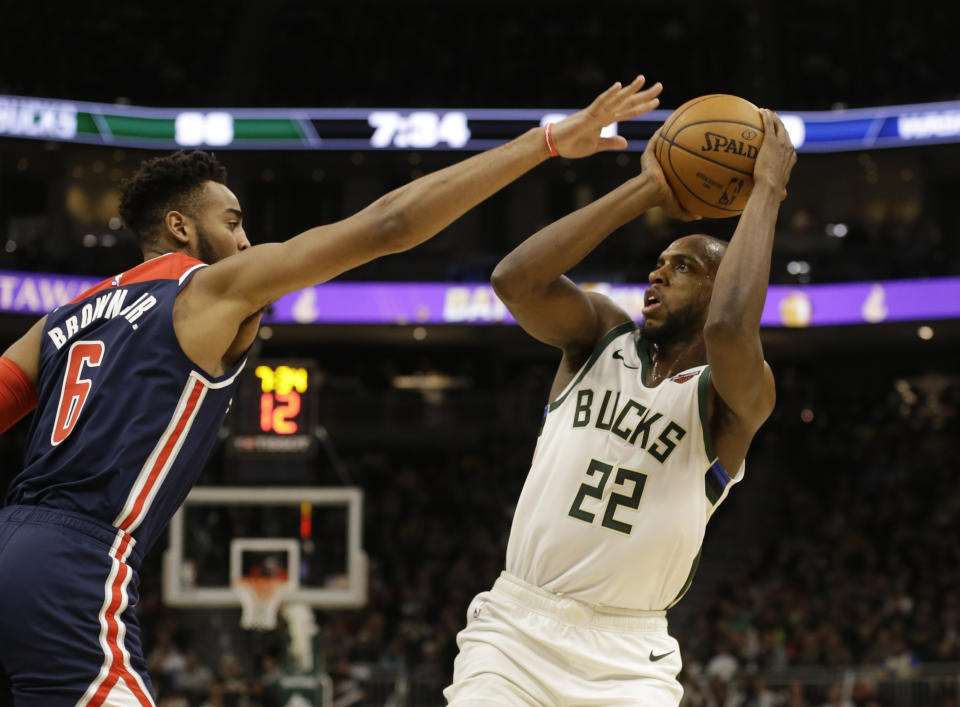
x=274 y=413
x=424 y=128
x=281 y=402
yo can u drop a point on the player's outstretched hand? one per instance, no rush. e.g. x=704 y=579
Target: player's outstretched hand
x=666 y=199
x=776 y=157
x=579 y=134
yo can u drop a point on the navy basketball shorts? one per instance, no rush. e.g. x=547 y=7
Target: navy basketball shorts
x=68 y=632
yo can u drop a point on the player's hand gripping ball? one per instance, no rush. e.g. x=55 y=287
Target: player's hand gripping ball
x=707 y=149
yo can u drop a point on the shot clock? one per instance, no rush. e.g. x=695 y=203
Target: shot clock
x=281 y=401
x=274 y=413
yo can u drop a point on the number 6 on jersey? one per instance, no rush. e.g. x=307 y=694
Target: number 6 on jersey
x=75 y=389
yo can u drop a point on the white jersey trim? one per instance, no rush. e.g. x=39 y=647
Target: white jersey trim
x=158 y=464
x=221 y=383
x=161 y=459
x=126 y=686
x=191 y=270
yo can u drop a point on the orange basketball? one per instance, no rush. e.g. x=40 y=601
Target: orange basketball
x=707 y=149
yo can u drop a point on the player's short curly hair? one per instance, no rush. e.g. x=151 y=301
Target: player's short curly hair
x=162 y=184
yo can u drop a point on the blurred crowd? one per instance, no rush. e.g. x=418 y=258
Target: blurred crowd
x=863 y=569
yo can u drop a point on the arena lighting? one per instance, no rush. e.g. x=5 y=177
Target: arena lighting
x=431 y=381
x=796 y=129
x=419 y=304
x=422 y=129
x=837 y=230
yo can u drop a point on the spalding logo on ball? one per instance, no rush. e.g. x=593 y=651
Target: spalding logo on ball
x=707 y=149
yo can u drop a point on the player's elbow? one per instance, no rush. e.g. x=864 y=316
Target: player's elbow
x=731 y=337
x=508 y=281
x=723 y=329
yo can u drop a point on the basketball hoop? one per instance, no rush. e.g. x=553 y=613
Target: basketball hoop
x=260 y=599
x=262 y=588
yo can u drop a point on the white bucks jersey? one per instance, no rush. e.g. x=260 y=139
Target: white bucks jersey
x=623 y=482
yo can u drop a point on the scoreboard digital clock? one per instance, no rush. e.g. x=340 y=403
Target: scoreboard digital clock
x=274 y=413
x=280 y=398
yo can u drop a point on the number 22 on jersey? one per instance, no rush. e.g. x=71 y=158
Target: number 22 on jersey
x=623 y=477
x=75 y=388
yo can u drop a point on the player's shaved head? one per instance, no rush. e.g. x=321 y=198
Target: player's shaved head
x=707 y=248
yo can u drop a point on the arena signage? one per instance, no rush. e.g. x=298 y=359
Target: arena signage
x=941 y=124
x=423 y=129
x=33 y=293
x=475 y=303
x=33 y=118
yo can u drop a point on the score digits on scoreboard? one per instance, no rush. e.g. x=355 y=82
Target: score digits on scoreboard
x=274 y=413
x=280 y=402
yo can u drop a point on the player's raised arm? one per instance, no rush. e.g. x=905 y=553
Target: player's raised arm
x=531 y=282
x=413 y=213
x=732 y=333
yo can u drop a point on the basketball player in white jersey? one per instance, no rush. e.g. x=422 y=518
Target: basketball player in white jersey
x=646 y=431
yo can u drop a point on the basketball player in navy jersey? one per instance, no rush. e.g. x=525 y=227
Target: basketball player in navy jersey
x=131 y=382
x=633 y=454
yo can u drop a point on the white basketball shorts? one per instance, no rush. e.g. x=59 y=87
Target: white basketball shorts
x=525 y=646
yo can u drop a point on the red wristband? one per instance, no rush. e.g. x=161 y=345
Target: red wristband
x=17 y=394
x=551 y=148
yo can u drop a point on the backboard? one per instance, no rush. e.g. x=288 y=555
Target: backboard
x=311 y=536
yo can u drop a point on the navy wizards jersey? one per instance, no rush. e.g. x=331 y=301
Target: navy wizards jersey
x=124 y=420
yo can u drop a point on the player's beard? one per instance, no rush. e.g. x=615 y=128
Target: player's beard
x=205 y=249
x=678 y=324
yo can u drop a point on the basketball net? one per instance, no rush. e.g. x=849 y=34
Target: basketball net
x=260 y=598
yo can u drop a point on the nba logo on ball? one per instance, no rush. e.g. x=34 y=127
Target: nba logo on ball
x=707 y=149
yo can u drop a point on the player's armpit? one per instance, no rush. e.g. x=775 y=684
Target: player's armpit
x=730 y=433
x=211 y=310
